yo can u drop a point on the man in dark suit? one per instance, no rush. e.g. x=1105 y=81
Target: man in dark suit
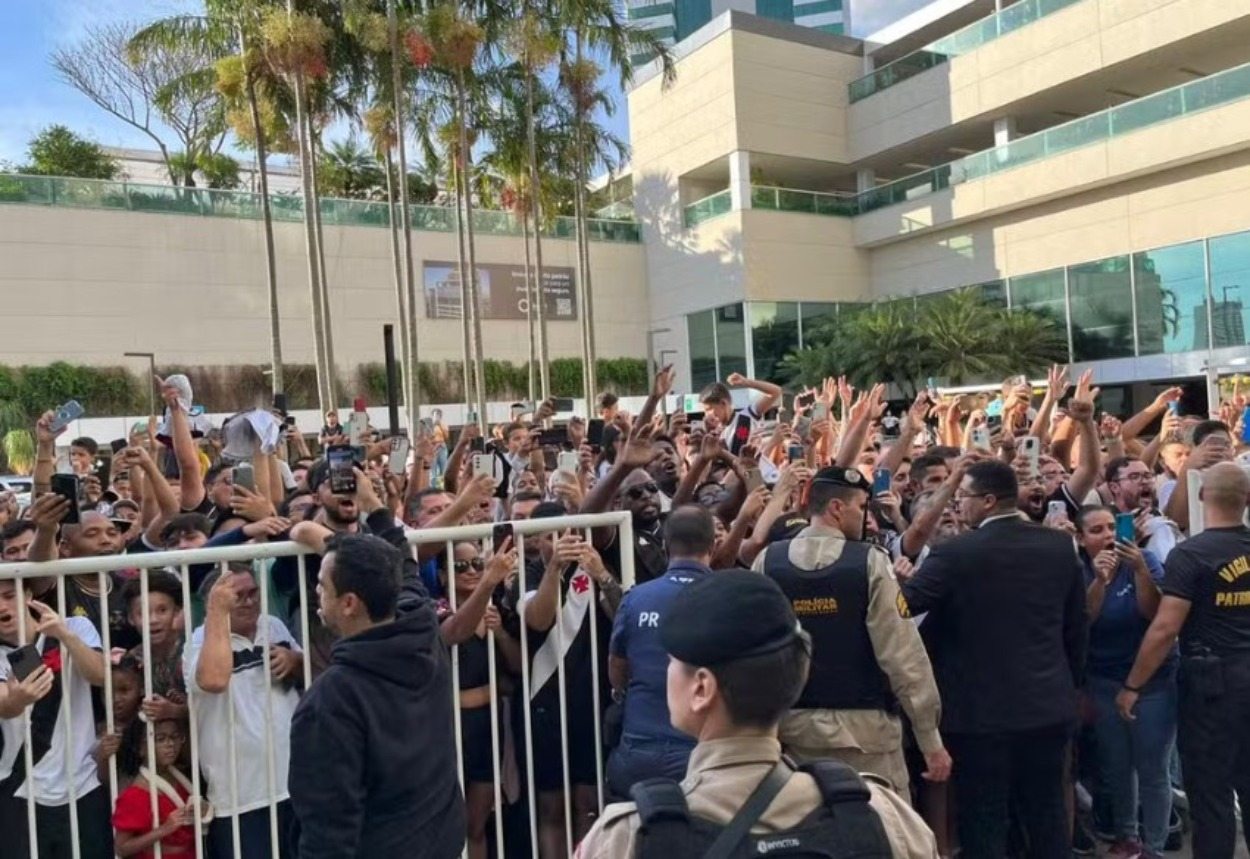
x=1007 y=624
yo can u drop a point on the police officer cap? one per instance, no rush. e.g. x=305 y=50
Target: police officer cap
x=851 y=477
x=725 y=616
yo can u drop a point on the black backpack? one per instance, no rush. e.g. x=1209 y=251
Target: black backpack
x=844 y=827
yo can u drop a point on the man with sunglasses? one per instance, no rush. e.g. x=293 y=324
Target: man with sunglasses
x=844 y=593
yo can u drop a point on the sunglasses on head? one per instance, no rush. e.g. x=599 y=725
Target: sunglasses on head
x=634 y=493
x=463 y=566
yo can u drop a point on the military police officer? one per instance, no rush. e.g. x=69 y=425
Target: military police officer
x=867 y=653
x=738 y=662
x=1206 y=601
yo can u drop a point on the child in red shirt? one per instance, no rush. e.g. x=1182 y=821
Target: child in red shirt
x=134 y=832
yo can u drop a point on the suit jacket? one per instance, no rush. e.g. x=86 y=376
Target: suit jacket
x=1007 y=626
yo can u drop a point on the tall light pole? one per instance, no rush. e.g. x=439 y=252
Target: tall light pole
x=151 y=356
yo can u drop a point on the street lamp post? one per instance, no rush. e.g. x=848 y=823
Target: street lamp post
x=151 y=356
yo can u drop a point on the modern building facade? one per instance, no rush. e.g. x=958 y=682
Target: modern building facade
x=1089 y=158
x=672 y=21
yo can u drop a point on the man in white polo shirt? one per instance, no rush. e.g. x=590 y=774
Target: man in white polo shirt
x=224 y=668
x=71 y=663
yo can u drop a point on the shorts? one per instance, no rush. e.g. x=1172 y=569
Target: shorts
x=548 y=758
x=476 y=752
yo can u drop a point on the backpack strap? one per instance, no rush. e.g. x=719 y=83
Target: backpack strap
x=752 y=810
x=847 y=797
x=659 y=800
x=838 y=782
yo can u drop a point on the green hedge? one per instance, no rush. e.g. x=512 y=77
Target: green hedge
x=25 y=392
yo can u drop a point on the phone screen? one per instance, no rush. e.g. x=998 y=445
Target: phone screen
x=342 y=477
x=66 y=485
x=820 y=411
x=594 y=432
x=563 y=404
x=71 y=411
x=398 y=460
x=245 y=477
x=1125 y=531
x=795 y=453
x=742 y=434
x=882 y=481
x=754 y=480
x=500 y=534
x=117 y=445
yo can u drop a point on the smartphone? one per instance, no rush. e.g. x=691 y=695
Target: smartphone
x=981 y=438
x=1055 y=509
x=694 y=417
x=594 y=432
x=802 y=401
x=118 y=445
x=524 y=408
x=245 y=477
x=1245 y=426
x=342 y=475
x=398 y=459
x=562 y=404
x=425 y=427
x=288 y=421
x=932 y=388
x=741 y=434
x=23 y=661
x=882 y=481
x=1174 y=407
x=820 y=411
x=803 y=426
x=69 y=412
x=279 y=403
x=1016 y=381
x=554 y=437
x=1031 y=449
x=477 y=445
x=483 y=463
x=795 y=453
x=66 y=486
x=500 y=534
x=358 y=428
x=568 y=461
x=1125 y=529
x=754 y=480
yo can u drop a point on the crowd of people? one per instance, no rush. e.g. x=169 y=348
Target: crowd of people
x=1007 y=615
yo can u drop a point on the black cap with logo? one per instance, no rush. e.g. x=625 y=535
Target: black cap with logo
x=726 y=616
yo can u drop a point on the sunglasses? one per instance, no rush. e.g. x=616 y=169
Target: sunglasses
x=634 y=493
x=464 y=566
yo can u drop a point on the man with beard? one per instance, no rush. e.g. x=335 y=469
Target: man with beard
x=933 y=520
x=61 y=737
x=628 y=486
x=665 y=469
x=358 y=787
x=1033 y=500
x=1131 y=485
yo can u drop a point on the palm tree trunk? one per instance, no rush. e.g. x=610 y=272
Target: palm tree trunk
x=401 y=298
x=319 y=234
x=583 y=252
x=266 y=214
x=467 y=159
x=467 y=352
x=530 y=298
x=412 y=382
x=325 y=395
x=540 y=296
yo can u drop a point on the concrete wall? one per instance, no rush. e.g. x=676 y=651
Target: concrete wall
x=1081 y=40
x=85 y=286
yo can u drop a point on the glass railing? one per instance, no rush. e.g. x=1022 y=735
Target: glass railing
x=709 y=207
x=620 y=210
x=1184 y=100
x=811 y=202
x=956 y=44
x=207 y=202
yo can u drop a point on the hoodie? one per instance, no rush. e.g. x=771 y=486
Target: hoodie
x=372 y=772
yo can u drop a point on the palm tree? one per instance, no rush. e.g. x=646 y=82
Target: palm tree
x=228 y=31
x=349 y=169
x=596 y=27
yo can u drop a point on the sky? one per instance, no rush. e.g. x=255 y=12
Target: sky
x=32 y=96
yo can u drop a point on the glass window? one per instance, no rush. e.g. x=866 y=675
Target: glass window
x=993 y=292
x=1171 y=287
x=774 y=334
x=731 y=342
x=1102 y=309
x=780 y=10
x=817 y=314
x=691 y=15
x=1230 y=289
x=1042 y=293
x=702 y=349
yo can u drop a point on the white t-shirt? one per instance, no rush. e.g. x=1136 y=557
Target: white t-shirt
x=248 y=688
x=727 y=434
x=51 y=777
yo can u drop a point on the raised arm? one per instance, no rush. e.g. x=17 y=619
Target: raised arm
x=1138 y=423
x=1056 y=387
x=865 y=410
x=1081 y=412
x=216 y=659
x=189 y=477
x=771 y=392
x=913 y=423
x=460 y=626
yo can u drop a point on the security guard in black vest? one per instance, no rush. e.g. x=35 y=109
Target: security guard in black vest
x=1206 y=602
x=738 y=659
x=867 y=656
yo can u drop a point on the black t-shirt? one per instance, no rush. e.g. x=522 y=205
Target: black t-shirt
x=1212 y=571
x=650 y=555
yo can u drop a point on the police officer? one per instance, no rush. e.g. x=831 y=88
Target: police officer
x=867 y=653
x=1206 y=601
x=649 y=745
x=738 y=662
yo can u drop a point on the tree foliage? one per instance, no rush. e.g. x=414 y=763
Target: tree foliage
x=57 y=151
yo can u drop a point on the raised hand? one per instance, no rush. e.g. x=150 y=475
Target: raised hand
x=1081 y=406
x=47 y=621
x=1057 y=382
x=736 y=380
x=43 y=429
x=48 y=510
x=664 y=381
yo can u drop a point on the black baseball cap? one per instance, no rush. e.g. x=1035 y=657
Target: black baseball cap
x=726 y=616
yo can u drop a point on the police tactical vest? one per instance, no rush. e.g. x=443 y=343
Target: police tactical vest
x=832 y=605
x=843 y=827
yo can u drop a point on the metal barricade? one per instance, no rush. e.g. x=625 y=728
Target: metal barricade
x=182 y=562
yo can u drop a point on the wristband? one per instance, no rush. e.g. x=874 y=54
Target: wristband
x=1136 y=690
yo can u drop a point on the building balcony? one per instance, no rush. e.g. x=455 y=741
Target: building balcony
x=207 y=202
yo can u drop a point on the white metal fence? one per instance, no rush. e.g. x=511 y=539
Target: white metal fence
x=181 y=562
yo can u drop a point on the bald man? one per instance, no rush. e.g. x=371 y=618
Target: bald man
x=1206 y=602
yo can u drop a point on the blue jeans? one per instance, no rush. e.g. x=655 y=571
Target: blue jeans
x=637 y=759
x=1134 y=758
